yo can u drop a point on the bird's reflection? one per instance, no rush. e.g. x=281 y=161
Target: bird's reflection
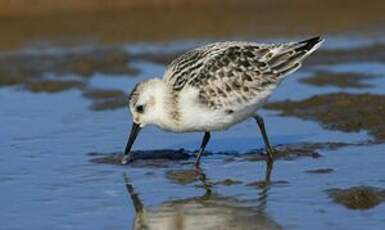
x=263 y=195
x=208 y=211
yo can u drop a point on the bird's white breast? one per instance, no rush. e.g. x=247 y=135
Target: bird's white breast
x=197 y=117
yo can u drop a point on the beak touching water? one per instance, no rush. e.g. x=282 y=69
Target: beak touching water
x=128 y=156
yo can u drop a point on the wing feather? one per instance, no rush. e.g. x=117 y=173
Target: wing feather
x=230 y=74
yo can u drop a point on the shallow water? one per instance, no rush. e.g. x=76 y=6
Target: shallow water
x=49 y=181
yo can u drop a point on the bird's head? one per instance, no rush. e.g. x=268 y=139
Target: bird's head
x=145 y=105
x=141 y=102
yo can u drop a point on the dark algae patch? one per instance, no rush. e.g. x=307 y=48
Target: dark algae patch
x=151 y=157
x=106 y=99
x=341 y=111
x=285 y=152
x=320 y=171
x=109 y=104
x=103 y=61
x=261 y=184
x=68 y=70
x=82 y=63
x=228 y=182
x=11 y=78
x=187 y=176
x=341 y=80
x=361 y=197
x=158 y=58
x=97 y=94
x=289 y=152
x=182 y=176
x=52 y=86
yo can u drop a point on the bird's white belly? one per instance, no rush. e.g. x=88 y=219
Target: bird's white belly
x=201 y=119
x=197 y=117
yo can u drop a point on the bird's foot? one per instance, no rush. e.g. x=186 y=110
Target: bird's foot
x=126 y=159
x=270 y=152
x=196 y=164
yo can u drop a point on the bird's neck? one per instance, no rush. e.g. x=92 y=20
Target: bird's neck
x=165 y=108
x=160 y=116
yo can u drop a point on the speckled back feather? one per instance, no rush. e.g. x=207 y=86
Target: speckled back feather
x=228 y=74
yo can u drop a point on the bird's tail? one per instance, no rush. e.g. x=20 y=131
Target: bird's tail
x=309 y=45
x=288 y=57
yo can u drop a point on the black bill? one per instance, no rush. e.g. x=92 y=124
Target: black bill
x=131 y=139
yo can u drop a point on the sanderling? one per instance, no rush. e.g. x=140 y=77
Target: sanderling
x=214 y=87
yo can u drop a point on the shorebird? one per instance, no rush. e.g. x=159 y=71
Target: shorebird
x=214 y=87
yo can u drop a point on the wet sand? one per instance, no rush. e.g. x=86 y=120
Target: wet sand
x=346 y=112
x=113 y=23
x=341 y=80
x=363 y=197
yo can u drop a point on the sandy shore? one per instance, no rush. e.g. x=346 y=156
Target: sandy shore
x=23 y=23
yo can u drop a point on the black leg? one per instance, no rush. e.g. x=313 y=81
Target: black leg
x=205 y=140
x=269 y=150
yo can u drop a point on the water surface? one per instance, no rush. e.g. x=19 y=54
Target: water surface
x=49 y=181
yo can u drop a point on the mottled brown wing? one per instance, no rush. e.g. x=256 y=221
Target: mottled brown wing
x=185 y=67
x=235 y=73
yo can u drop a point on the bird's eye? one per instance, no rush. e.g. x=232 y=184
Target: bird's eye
x=140 y=108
